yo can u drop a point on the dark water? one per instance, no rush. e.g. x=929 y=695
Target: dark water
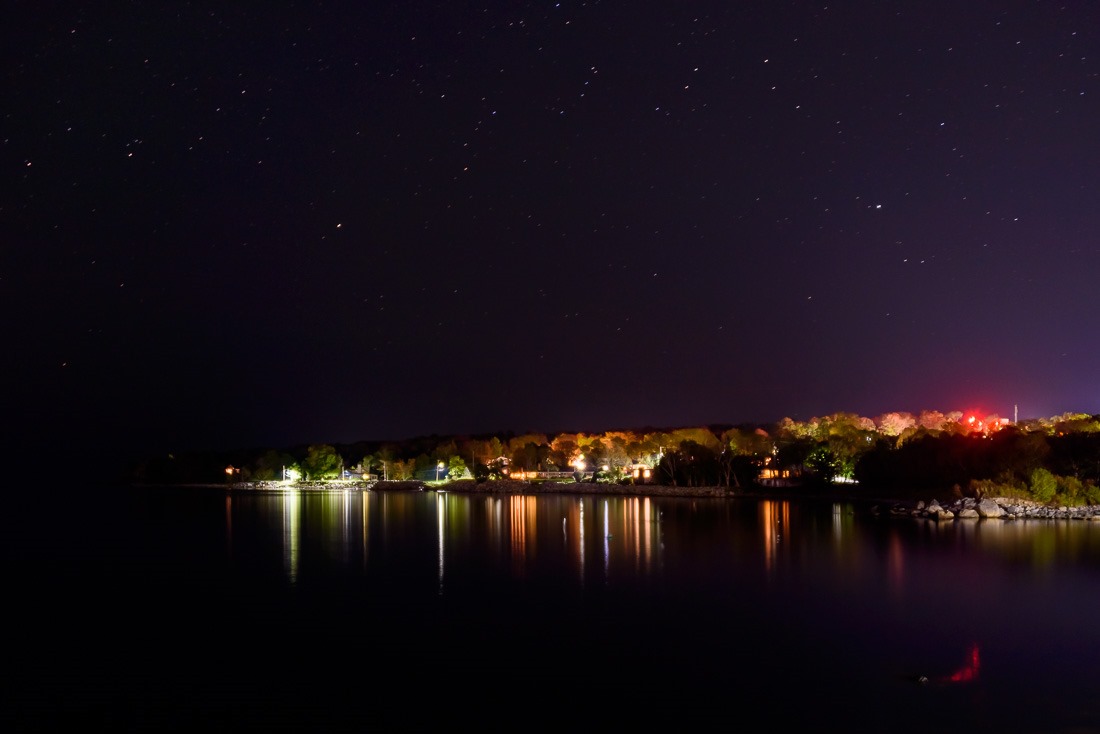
x=153 y=609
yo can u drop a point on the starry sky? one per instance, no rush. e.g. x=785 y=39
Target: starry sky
x=237 y=225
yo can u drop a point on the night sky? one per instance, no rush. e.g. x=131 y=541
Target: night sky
x=270 y=225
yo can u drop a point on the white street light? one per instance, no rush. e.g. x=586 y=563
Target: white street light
x=438 y=468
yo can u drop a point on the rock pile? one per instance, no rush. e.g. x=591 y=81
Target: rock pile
x=997 y=507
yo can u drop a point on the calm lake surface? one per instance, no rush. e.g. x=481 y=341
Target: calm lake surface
x=317 y=611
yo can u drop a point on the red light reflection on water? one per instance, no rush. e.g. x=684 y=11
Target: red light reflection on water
x=969 y=671
x=966 y=673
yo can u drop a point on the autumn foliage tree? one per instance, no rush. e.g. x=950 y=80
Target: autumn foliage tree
x=929 y=450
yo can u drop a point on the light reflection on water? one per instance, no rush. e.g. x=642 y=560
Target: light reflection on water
x=623 y=533
x=658 y=604
x=856 y=600
x=623 y=536
x=292 y=509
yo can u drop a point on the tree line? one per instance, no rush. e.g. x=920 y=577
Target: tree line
x=1049 y=459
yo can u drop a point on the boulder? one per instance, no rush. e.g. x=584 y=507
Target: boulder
x=989 y=508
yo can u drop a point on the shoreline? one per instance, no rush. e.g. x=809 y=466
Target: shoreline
x=960 y=508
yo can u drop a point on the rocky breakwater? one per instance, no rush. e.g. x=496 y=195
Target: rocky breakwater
x=970 y=508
